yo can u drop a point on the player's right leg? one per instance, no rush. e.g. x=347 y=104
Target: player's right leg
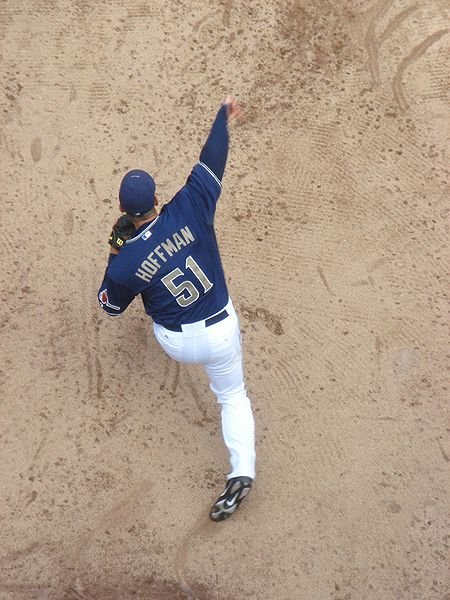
x=218 y=349
x=225 y=372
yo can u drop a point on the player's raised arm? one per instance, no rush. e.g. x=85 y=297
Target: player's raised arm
x=215 y=151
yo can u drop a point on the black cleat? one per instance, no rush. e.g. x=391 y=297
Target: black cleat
x=228 y=501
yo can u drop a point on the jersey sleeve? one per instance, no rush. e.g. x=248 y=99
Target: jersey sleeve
x=215 y=150
x=204 y=183
x=113 y=297
x=203 y=188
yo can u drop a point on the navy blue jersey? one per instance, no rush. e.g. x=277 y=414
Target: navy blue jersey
x=173 y=261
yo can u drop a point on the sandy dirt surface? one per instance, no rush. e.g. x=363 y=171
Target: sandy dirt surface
x=332 y=230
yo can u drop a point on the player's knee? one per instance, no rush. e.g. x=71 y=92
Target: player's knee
x=237 y=398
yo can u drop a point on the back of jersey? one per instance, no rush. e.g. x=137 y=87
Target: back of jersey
x=174 y=261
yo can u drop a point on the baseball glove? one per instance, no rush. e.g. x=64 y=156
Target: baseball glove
x=123 y=229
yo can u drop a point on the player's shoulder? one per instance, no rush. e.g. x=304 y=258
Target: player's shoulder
x=118 y=269
x=122 y=269
x=202 y=184
x=201 y=180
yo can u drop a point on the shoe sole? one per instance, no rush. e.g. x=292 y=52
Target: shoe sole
x=227 y=506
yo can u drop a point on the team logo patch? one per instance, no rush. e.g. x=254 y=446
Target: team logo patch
x=104 y=300
x=103 y=297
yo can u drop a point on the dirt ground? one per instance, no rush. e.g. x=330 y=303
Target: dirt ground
x=332 y=226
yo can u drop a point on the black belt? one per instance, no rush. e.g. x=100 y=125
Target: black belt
x=209 y=321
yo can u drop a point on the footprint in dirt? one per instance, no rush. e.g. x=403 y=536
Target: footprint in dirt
x=271 y=321
x=36 y=149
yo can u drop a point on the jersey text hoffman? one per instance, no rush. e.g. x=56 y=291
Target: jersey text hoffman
x=164 y=251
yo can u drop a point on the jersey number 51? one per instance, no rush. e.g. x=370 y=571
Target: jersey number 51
x=185 y=292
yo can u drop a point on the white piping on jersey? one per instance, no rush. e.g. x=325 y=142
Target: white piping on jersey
x=211 y=173
x=142 y=232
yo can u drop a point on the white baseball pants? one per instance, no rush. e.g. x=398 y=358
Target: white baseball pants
x=218 y=348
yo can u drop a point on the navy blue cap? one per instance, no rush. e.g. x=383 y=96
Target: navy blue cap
x=137 y=192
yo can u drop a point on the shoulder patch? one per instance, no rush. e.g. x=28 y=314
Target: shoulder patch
x=104 y=300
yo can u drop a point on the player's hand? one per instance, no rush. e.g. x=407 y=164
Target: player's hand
x=234 y=110
x=123 y=229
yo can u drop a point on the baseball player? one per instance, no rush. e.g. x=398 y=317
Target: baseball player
x=171 y=258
